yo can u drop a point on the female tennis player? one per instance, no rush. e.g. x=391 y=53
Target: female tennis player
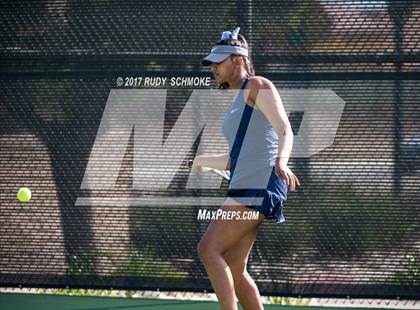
x=256 y=127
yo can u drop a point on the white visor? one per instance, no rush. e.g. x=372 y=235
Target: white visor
x=219 y=53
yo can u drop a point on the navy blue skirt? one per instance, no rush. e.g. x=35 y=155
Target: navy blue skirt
x=274 y=197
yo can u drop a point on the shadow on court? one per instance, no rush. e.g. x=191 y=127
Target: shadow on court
x=19 y=301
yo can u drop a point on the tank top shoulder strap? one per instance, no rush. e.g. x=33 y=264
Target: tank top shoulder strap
x=245 y=82
x=240 y=134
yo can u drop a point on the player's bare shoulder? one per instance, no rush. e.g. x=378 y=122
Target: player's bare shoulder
x=257 y=83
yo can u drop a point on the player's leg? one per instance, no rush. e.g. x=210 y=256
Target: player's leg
x=237 y=258
x=219 y=237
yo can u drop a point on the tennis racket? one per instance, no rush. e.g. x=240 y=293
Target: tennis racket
x=223 y=173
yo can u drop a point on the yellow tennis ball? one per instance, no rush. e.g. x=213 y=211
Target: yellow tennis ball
x=24 y=194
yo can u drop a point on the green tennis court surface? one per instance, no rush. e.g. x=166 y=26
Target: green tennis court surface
x=14 y=301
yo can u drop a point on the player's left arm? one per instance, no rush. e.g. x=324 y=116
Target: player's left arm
x=266 y=98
